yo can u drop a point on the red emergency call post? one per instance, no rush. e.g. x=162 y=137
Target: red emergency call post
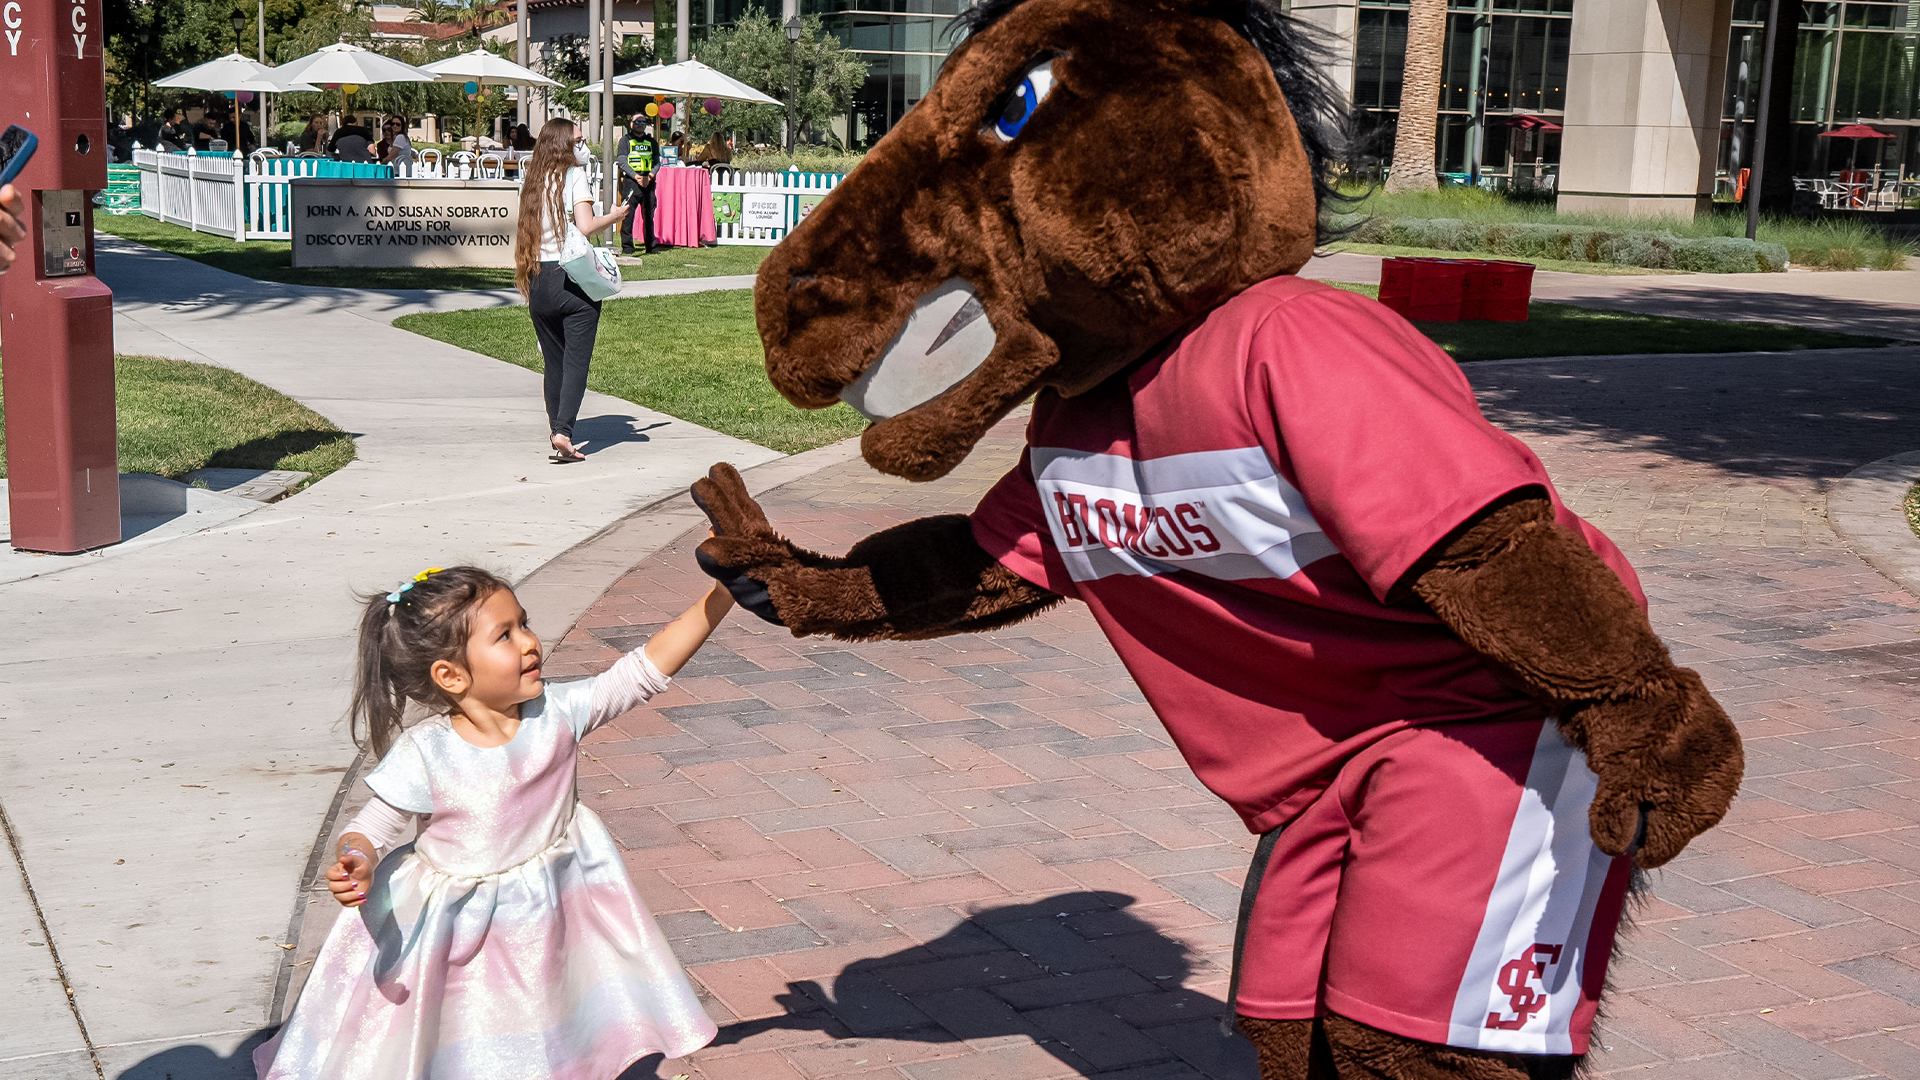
x=56 y=318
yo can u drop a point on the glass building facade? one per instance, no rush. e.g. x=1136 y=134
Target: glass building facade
x=1502 y=87
x=904 y=42
x=1854 y=63
x=1506 y=60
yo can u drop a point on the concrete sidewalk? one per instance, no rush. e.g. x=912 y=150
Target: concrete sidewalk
x=1880 y=303
x=175 y=714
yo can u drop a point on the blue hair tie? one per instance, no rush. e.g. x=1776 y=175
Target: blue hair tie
x=394 y=596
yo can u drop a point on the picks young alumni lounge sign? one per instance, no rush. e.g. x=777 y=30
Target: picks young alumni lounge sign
x=362 y=222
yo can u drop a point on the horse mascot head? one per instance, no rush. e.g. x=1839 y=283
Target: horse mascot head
x=1084 y=178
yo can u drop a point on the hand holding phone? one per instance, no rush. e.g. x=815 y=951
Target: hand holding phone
x=16 y=149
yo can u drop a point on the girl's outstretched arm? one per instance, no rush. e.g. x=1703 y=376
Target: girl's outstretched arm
x=671 y=648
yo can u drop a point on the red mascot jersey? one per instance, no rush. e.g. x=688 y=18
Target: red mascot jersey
x=1238 y=512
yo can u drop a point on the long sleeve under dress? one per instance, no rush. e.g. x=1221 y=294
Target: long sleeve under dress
x=506 y=939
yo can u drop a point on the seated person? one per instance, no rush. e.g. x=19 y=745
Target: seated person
x=359 y=140
x=315 y=135
x=395 y=148
x=523 y=139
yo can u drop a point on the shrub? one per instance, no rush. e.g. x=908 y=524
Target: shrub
x=1655 y=250
x=1729 y=255
x=1892 y=257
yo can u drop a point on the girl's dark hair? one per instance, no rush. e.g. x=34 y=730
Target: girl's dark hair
x=1299 y=57
x=399 y=643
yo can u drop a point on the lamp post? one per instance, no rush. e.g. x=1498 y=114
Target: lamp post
x=793 y=38
x=146 y=82
x=239 y=24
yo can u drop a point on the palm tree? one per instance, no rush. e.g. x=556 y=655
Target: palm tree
x=1413 y=138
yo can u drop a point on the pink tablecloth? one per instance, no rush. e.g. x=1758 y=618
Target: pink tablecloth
x=683 y=212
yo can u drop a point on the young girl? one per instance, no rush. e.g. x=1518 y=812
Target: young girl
x=506 y=940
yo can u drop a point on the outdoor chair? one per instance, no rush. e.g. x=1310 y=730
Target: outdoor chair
x=1888 y=196
x=462 y=164
x=492 y=167
x=427 y=163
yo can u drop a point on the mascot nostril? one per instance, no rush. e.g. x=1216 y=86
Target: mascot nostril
x=1336 y=583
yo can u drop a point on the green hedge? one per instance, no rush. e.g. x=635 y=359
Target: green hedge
x=1571 y=243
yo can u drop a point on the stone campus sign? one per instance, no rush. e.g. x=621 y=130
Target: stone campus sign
x=358 y=222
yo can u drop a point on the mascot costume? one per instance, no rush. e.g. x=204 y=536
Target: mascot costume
x=1360 y=610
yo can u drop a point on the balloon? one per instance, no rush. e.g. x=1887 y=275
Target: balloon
x=652 y=109
x=659 y=98
x=472 y=87
x=712 y=106
x=666 y=110
x=351 y=88
x=244 y=96
x=229 y=94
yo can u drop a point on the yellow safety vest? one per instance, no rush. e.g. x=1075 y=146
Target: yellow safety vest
x=639 y=155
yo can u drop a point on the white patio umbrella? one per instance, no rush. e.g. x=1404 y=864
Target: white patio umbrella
x=344 y=63
x=231 y=72
x=350 y=65
x=688 y=78
x=481 y=66
x=234 y=73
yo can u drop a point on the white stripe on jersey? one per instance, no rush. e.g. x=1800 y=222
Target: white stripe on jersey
x=1522 y=983
x=1223 y=513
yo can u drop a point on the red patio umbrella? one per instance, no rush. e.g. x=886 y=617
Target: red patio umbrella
x=1527 y=120
x=1856 y=132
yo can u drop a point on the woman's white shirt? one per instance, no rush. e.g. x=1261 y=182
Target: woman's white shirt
x=573 y=192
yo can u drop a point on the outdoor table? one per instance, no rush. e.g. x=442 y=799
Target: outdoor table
x=683 y=207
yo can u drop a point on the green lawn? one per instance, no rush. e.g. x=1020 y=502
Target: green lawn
x=697 y=357
x=1565 y=330
x=1392 y=250
x=272 y=260
x=174 y=417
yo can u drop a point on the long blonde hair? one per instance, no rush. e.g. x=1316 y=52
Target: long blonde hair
x=540 y=195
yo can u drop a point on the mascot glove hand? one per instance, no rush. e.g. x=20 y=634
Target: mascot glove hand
x=1668 y=760
x=744 y=551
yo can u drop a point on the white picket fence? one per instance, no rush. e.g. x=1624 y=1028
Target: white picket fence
x=771 y=203
x=245 y=198
x=252 y=198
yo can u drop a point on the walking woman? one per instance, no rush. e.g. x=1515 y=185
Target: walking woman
x=564 y=319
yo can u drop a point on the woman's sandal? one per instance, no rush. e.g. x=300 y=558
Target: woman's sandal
x=566 y=457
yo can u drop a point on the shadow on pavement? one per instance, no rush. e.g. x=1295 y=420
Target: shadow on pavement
x=1781 y=415
x=1091 y=983
x=198 y=1062
x=1695 y=300
x=593 y=434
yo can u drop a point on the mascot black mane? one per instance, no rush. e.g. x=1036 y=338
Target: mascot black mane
x=1361 y=611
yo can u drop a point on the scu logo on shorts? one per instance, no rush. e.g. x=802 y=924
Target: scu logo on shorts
x=1515 y=980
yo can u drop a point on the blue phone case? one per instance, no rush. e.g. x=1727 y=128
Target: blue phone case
x=20 y=159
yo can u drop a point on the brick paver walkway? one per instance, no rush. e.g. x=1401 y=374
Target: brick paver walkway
x=980 y=857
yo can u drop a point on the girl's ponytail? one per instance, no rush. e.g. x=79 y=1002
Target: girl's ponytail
x=402 y=634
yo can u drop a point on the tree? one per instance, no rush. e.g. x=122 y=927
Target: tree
x=1414 y=136
x=754 y=50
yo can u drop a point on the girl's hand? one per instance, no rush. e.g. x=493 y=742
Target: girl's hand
x=348 y=879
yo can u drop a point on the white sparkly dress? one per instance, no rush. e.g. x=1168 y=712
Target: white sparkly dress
x=506 y=940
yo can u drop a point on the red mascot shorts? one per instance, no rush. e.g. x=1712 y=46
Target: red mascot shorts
x=1443 y=888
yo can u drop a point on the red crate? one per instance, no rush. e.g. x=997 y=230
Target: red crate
x=1505 y=290
x=1450 y=290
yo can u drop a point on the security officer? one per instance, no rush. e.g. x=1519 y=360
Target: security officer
x=638 y=155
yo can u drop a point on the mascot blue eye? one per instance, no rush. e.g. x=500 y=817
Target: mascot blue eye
x=1020 y=104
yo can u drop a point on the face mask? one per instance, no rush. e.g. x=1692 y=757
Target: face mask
x=581 y=153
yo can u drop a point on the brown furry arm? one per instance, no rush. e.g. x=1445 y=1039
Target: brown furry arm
x=1531 y=596
x=926 y=578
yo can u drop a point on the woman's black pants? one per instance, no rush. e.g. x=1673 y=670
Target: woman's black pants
x=565 y=321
